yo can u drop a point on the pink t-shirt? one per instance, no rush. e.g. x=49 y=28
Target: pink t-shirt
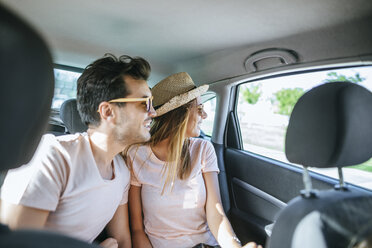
x=177 y=218
x=64 y=179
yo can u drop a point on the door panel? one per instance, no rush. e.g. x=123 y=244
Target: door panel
x=222 y=179
x=255 y=200
x=259 y=188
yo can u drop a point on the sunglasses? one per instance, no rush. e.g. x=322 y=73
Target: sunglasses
x=147 y=100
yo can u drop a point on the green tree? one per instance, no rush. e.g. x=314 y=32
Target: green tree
x=335 y=77
x=286 y=99
x=252 y=93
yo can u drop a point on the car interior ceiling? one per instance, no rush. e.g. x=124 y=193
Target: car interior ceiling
x=215 y=40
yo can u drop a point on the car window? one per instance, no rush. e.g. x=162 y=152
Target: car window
x=264 y=107
x=65 y=86
x=209 y=101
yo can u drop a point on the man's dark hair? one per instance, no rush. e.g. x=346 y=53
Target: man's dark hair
x=103 y=80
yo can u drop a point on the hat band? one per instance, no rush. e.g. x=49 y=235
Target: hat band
x=180 y=100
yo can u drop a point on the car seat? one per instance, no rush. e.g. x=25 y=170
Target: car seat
x=27 y=81
x=71 y=117
x=330 y=126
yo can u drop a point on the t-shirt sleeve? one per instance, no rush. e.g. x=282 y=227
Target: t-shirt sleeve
x=209 y=158
x=133 y=167
x=124 y=200
x=40 y=183
x=133 y=180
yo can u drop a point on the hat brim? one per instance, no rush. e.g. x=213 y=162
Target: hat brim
x=182 y=99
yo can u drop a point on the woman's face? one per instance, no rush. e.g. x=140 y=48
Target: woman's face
x=196 y=116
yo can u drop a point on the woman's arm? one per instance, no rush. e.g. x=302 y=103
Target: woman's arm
x=217 y=221
x=139 y=237
x=118 y=229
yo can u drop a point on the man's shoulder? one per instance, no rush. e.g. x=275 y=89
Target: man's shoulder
x=71 y=142
x=71 y=138
x=64 y=145
x=121 y=165
x=67 y=138
x=119 y=160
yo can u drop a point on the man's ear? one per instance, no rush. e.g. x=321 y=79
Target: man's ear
x=106 y=111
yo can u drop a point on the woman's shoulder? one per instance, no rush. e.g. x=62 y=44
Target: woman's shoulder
x=136 y=155
x=198 y=143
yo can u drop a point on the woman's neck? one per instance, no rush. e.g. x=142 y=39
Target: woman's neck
x=161 y=149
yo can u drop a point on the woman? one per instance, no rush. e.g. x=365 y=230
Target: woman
x=174 y=176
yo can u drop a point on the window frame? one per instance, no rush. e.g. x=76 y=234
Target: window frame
x=63 y=68
x=206 y=100
x=235 y=93
x=68 y=68
x=236 y=88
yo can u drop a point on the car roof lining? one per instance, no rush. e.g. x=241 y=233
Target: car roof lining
x=174 y=36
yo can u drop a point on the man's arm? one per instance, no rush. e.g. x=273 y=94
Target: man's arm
x=118 y=227
x=20 y=217
x=139 y=237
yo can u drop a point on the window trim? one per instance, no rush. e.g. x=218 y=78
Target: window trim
x=68 y=68
x=209 y=98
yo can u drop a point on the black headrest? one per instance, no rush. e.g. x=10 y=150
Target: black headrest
x=71 y=117
x=27 y=84
x=331 y=126
x=38 y=239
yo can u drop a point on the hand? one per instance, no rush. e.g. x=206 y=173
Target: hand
x=252 y=245
x=109 y=243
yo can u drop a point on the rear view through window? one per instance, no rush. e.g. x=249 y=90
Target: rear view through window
x=209 y=102
x=65 y=86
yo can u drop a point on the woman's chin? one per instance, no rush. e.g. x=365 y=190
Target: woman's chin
x=196 y=133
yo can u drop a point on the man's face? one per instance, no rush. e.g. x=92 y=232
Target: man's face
x=133 y=122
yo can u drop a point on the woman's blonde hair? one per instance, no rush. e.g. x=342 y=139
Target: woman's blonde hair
x=173 y=125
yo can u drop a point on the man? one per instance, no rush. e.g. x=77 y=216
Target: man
x=77 y=184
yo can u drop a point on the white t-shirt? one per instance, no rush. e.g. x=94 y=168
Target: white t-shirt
x=64 y=179
x=176 y=218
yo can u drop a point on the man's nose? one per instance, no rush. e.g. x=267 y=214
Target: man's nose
x=152 y=112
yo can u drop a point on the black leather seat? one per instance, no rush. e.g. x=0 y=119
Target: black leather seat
x=27 y=84
x=71 y=117
x=331 y=126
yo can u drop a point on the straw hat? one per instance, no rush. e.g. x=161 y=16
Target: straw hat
x=175 y=91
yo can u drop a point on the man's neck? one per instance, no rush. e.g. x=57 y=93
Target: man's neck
x=104 y=147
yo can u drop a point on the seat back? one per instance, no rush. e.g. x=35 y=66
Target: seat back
x=330 y=126
x=27 y=81
x=71 y=117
